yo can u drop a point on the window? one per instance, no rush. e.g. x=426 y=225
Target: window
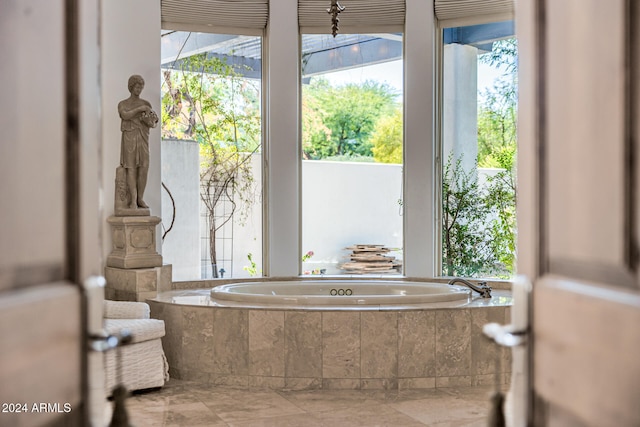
x=212 y=139
x=478 y=135
x=352 y=144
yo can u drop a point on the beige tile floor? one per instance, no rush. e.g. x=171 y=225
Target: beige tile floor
x=188 y=403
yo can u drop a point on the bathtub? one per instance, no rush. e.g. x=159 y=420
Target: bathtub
x=339 y=293
x=293 y=334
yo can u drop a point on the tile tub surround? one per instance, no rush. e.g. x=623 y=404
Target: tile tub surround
x=292 y=349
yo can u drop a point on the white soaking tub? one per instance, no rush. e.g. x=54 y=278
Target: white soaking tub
x=339 y=293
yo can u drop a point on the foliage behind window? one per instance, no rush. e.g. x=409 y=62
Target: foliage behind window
x=208 y=101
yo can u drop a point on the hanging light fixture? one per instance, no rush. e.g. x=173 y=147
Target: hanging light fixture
x=334 y=10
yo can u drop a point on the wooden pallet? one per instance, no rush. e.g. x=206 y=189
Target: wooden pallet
x=367 y=258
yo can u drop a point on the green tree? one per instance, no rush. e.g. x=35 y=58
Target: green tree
x=387 y=139
x=497 y=148
x=504 y=54
x=347 y=115
x=497 y=112
x=501 y=199
x=497 y=115
x=208 y=101
x=465 y=249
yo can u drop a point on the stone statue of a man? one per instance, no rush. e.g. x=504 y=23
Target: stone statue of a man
x=137 y=117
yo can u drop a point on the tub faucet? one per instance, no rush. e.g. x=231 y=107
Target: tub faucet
x=482 y=288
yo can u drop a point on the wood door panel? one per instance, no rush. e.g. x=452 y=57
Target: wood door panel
x=42 y=361
x=588 y=215
x=41 y=353
x=586 y=348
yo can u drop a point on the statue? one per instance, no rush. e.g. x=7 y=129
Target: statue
x=137 y=118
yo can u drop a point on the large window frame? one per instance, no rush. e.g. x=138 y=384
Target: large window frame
x=336 y=212
x=439 y=124
x=237 y=262
x=282 y=141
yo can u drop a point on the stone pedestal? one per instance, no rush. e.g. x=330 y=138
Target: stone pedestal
x=134 y=242
x=134 y=269
x=136 y=284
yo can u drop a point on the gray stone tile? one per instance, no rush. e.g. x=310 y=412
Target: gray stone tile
x=455 y=381
x=186 y=414
x=379 y=345
x=270 y=383
x=368 y=415
x=416 y=344
x=303 y=344
x=172 y=341
x=297 y=420
x=266 y=343
x=234 y=381
x=379 y=384
x=302 y=383
x=417 y=383
x=443 y=408
x=329 y=400
x=485 y=354
x=241 y=405
x=341 y=384
x=197 y=339
x=341 y=345
x=231 y=342
x=193 y=403
x=453 y=343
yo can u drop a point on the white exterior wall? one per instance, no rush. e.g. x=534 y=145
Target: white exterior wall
x=247 y=233
x=347 y=203
x=343 y=204
x=180 y=173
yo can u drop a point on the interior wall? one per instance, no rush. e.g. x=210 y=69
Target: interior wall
x=282 y=149
x=419 y=136
x=130 y=45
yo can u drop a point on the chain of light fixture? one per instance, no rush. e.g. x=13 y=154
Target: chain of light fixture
x=334 y=11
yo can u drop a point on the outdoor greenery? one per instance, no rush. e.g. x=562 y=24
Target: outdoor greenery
x=338 y=121
x=206 y=100
x=465 y=237
x=387 y=139
x=478 y=223
x=252 y=269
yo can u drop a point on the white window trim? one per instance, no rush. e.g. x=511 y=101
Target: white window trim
x=420 y=149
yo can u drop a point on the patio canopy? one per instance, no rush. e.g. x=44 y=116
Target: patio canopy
x=321 y=53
